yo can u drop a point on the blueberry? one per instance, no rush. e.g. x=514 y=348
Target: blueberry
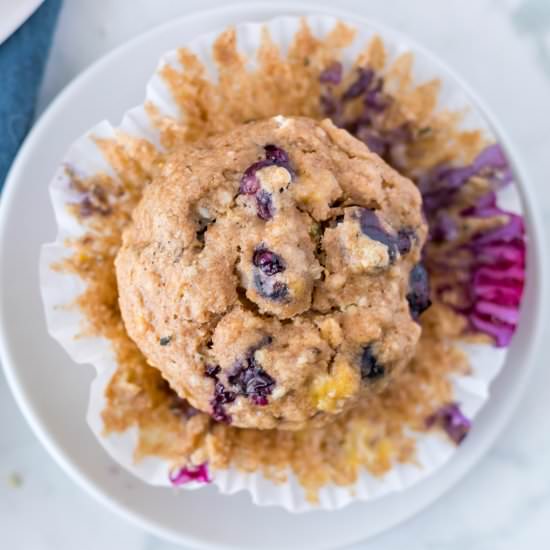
x=250 y=379
x=269 y=288
x=201 y=232
x=249 y=181
x=268 y=262
x=279 y=157
x=165 y=340
x=212 y=371
x=250 y=184
x=404 y=241
x=371 y=227
x=221 y=397
x=371 y=369
x=419 y=291
x=276 y=155
x=264 y=205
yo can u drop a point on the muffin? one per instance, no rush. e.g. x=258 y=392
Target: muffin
x=272 y=275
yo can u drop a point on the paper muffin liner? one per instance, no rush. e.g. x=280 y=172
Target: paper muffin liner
x=60 y=290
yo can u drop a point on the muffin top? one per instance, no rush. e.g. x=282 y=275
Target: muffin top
x=272 y=273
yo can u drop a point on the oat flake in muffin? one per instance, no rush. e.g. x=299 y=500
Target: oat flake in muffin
x=267 y=273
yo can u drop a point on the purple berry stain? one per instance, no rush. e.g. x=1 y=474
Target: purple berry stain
x=360 y=85
x=443 y=228
x=452 y=420
x=491 y=276
x=367 y=126
x=188 y=474
x=332 y=74
x=95 y=202
x=419 y=291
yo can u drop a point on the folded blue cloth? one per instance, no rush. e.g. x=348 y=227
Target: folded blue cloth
x=22 y=60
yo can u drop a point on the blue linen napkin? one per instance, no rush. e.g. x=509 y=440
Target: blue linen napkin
x=22 y=60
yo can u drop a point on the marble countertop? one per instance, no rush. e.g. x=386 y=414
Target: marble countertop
x=502 y=47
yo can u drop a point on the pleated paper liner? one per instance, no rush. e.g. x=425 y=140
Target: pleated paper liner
x=60 y=289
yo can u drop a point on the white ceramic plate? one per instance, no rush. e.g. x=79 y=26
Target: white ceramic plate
x=13 y=13
x=52 y=391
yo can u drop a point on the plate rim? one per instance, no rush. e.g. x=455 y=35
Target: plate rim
x=9 y=362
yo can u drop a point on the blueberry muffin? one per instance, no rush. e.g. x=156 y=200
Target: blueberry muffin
x=272 y=274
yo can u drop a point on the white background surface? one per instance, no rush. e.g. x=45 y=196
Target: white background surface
x=502 y=47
